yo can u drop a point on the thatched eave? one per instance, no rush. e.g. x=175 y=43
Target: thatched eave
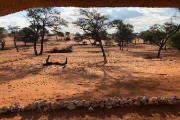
x=11 y=6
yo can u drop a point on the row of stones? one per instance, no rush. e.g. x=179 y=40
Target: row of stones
x=91 y=104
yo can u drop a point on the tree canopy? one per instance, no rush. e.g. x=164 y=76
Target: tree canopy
x=93 y=23
x=40 y=18
x=124 y=32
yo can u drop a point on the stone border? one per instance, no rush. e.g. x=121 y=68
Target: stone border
x=92 y=104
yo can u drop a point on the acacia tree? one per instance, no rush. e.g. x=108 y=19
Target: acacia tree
x=161 y=34
x=57 y=29
x=26 y=35
x=146 y=36
x=78 y=37
x=93 y=23
x=40 y=18
x=124 y=32
x=106 y=37
x=67 y=38
x=136 y=36
x=2 y=35
x=14 y=31
x=174 y=41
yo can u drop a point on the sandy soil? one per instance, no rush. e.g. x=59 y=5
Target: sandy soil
x=23 y=79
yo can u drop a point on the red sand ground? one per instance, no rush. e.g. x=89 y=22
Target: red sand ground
x=23 y=79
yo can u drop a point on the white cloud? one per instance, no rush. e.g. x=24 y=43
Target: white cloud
x=148 y=10
x=143 y=23
x=140 y=18
x=70 y=14
x=13 y=21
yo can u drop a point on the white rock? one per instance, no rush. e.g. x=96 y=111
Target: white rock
x=2 y=110
x=138 y=103
x=75 y=102
x=38 y=104
x=122 y=105
x=86 y=104
x=116 y=102
x=48 y=105
x=71 y=106
x=153 y=100
x=131 y=103
x=144 y=100
x=139 y=97
x=22 y=108
x=90 y=108
x=54 y=105
x=170 y=101
x=64 y=104
x=46 y=108
x=109 y=107
x=61 y=104
x=79 y=104
x=101 y=104
x=6 y=108
x=150 y=102
x=13 y=109
x=122 y=102
x=32 y=106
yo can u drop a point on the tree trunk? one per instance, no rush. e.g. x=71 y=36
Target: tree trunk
x=35 y=42
x=42 y=40
x=103 y=52
x=144 y=42
x=57 y=38
x=2 y=44
x=90 y=42
x=165 y=47
x=122 y=45
x=127 y=42
x=25 y=43
x=159 y=52
x=119 y=45
x=95 y=42
x=15 y=45
x=36 y=37
x=25 y=39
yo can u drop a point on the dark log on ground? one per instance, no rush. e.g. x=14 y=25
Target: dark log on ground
x=54 y=63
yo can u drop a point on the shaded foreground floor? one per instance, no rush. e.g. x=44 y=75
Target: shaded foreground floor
x=161 y=112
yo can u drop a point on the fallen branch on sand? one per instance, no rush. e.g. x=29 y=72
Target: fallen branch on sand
x=54 y=63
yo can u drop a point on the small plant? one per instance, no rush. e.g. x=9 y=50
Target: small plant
x=67 y=39
x=84 y=43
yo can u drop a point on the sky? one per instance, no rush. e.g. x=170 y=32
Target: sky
x=140 y=18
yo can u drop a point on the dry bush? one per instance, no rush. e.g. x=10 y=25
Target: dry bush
x=68 y=49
